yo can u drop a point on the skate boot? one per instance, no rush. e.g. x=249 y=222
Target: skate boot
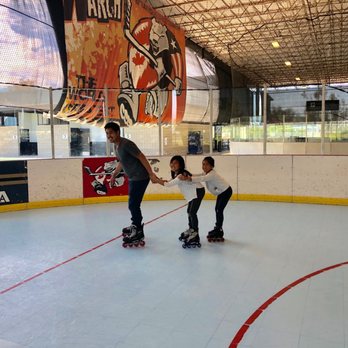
x=192 y=240
x=216 y=235
x=184 y=235
x=135 y=238
x=126 y=231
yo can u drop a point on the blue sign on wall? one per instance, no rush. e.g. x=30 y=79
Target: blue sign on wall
x=13 y=182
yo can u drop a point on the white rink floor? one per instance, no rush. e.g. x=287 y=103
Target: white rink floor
x=165 y=296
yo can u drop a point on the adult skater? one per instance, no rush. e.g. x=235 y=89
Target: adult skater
x=193 y=193
x=218 y=187
x=139 y=172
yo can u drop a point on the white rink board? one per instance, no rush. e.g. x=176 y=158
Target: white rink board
x=271 y=175
x=55 y=179
x=321 y=176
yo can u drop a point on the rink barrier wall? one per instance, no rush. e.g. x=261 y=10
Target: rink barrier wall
x=103 y=200
x=272 y=178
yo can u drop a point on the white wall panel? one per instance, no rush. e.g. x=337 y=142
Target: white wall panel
x=246 y=148
x=54 y=179
x=315 y=148
x=321 y=176
x=271 y=175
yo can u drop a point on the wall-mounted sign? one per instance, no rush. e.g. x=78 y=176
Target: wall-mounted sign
x=330 y=105
x=13 y=182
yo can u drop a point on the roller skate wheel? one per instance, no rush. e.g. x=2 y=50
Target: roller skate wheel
x=199 y=245
x=209 y=240
x=184 y=246
x=124 y=245
x=142 y=243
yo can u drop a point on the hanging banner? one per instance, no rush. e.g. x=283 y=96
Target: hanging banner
x=124 y=61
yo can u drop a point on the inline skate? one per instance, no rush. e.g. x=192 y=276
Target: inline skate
x=216 y=235
x=134 y=238
x=126 y=231
x=192 y=240
x=184 y=235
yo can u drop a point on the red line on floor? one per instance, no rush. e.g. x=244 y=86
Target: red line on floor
x=79 y=255
x=245 y=327
x=169 y=212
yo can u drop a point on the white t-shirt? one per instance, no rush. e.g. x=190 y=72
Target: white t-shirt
x=215 y=183
x=187 y=188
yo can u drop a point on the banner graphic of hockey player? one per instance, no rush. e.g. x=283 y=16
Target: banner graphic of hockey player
x=130 y=51
x=97 y=176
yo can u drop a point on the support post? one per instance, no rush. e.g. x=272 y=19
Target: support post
x=211 y=122
x=160 y=135
x=323 y=96
x=106 y=116
x=264 y=116
x=52 y=123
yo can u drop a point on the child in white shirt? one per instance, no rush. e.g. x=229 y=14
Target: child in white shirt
x=218 y=187
x=193 y=193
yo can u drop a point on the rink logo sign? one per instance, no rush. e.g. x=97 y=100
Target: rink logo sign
x=3 y=197
x=13 y=182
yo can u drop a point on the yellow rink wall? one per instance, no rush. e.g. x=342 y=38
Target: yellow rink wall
x=273 y=178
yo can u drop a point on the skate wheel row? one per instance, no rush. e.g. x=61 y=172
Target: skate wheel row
x=215 y=239
x=188 y=246
x=135 y=245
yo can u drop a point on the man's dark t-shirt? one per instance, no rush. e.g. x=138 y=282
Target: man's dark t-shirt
x=126 y=152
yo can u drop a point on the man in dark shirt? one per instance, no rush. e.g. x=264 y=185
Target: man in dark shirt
x=139 y=172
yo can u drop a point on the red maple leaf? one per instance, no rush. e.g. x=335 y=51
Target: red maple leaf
x=138 y=59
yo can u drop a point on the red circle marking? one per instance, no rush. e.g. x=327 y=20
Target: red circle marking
x=245 y=327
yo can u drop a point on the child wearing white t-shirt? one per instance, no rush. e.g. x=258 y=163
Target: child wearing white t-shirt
x=193 y=193
x=218 y=187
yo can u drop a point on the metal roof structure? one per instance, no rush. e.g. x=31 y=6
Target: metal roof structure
x=312 y=36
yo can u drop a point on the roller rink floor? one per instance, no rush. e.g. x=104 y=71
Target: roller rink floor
x=279 y=280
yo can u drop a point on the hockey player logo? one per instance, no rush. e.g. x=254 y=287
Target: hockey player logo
x=102 y=177
x=154 y=63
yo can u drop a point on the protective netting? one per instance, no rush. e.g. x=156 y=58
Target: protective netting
x=29 y=52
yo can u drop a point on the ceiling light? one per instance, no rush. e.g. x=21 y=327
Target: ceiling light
x=297 y=79
x=275 y=44
x=287 y=63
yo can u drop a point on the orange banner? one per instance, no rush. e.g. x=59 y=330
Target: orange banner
x=125 y=63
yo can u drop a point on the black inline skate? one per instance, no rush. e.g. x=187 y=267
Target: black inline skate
x=184 y=235
x=134 y=238
x=126 y=231
x=216 y=235
x=192 y=240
